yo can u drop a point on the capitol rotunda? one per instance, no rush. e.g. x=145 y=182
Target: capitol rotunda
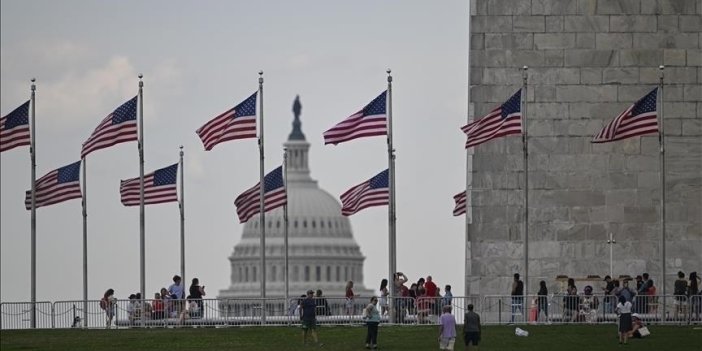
x=322 y=251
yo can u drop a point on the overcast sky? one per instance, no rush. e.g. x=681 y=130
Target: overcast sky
x=200 y=58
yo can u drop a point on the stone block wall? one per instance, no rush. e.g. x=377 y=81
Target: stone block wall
x=588 y=61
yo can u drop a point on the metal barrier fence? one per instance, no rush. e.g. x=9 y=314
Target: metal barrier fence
x=592 y=309
x=493 y=309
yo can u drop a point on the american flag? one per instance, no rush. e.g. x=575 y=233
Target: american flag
x=237 y=123
x=56 y=186
x=118 y=127
x=640 y=118
x=460 y=199
x=14 y=128
x=373 y=192
x=506 y=119
x=370 y=121
x=159 y=187
x=274 y=195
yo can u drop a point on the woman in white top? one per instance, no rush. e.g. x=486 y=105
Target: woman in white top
x=624 y=311
x=384 y=297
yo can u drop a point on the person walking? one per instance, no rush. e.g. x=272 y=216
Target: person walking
x=447 y=329
x=471 y=328
x=372 y=317
x=308 y=316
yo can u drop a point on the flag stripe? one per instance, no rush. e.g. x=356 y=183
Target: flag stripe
x=365 y=195
x=370 y=121
x=118 y=127
x=154 y=193
x=248 y=203
x=50 y=190
x=638 y=119
x=504 y=120
x=14 y=128
x=460 y=200
x=236 y=123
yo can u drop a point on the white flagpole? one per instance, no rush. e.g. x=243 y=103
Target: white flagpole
x=261 y=202
x=285 y=220
x=468 y=270
x=661 y=139
x=84 y=203
x=33 y=225
x=391 y=184
x=525 y=140
x=181 y=205
x=142 y=250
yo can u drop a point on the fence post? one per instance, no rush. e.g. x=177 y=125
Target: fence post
x=53 y=315
x=499 y=311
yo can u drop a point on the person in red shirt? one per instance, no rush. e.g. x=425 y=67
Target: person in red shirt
x=431 y=294
x=158 y=311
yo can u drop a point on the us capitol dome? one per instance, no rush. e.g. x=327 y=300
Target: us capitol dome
x=322 y=251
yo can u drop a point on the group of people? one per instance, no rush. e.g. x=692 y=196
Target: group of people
x=688 y=293
x=447 y=326
x=167 y=303
x=422 y=298
x=582 y=307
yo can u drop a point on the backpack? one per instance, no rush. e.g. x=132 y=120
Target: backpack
x=103 y=303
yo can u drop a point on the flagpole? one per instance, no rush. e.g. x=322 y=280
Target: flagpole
x=261 y=202
x=33 y=225
x=391 y=178
x=525 y=143
x=468 y=270
x=181 y=205
x=285 y=222
x=142 y=250
x=661 y=140
x=84 y=204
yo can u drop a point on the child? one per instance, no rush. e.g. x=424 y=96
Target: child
x=447 y=329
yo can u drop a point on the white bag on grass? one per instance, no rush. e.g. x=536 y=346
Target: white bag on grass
x=520 y=332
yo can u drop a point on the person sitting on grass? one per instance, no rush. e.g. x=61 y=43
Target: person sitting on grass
x=636 y=324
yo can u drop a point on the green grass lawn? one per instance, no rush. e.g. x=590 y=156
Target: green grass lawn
x=541 y=338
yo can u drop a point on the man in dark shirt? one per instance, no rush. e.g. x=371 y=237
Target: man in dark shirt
x=471 y=328
x=609 y=299
x=517 y=296
x=308 y=316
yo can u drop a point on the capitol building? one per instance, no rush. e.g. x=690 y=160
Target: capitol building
x=322 y=251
